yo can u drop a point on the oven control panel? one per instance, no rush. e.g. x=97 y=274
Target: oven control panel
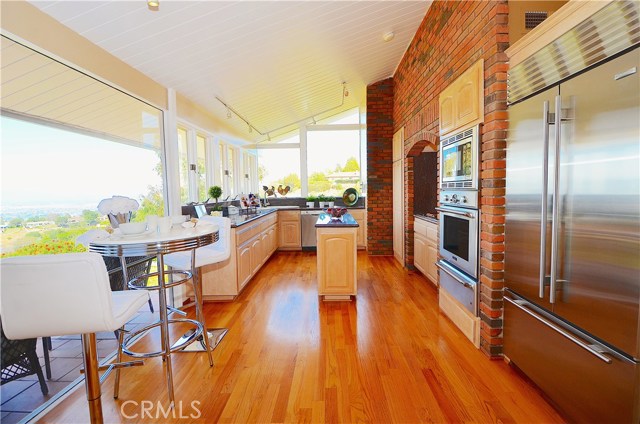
x=460 y=198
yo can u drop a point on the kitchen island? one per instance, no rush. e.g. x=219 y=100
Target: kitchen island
x=337 y=247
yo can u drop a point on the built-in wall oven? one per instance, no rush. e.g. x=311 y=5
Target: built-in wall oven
x=460 y=217
x=459 y=235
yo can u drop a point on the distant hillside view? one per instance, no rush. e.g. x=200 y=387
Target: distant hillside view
x=50 y=198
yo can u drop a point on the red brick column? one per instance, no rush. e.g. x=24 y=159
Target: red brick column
x=453 y=36
x=379 y=167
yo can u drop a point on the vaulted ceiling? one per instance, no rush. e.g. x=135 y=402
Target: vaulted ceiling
x=275 y=63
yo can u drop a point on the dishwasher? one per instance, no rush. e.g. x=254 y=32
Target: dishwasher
x=308 y=223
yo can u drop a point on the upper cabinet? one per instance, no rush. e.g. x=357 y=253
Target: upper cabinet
x=462 y=102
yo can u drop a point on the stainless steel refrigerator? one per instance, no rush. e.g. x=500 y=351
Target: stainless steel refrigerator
x=572 y=237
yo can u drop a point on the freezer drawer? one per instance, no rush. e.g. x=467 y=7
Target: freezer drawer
x=583 y=386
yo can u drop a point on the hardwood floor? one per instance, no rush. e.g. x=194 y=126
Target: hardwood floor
x=388 y=356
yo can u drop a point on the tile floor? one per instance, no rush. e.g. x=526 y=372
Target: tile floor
x=20 y=397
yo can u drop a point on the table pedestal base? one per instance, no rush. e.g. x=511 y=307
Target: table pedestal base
x=215 y=337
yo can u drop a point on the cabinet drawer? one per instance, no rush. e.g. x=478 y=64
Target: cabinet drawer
x=584 y=387
x=268 y=221
x=426 y=229
x=289 y=215
x=247 y=232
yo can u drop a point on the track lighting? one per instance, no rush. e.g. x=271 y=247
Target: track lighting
x=230 y=111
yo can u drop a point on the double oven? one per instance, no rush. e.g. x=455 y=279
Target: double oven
x=460 y=216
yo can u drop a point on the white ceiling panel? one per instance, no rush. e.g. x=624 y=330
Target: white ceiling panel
x=274 y=62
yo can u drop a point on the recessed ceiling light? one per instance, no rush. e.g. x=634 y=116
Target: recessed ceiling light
x=388 y=36
x=153 y=4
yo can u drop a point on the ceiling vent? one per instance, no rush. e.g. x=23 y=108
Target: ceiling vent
x=533 y=19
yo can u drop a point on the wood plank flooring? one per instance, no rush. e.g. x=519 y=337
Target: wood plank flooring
x=389 y=356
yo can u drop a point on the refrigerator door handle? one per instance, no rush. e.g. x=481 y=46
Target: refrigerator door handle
x=556 y=202
x=548 y=119
x=593 y=349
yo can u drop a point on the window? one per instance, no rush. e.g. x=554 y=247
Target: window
x=183 y=157
x=333 y=162
x=277 y=166
x=201 y=167
x=220 y=165
x=65 y=150
x=230 y=171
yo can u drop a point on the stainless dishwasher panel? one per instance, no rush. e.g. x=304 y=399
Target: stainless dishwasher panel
x=587 y=381
x=308 y=222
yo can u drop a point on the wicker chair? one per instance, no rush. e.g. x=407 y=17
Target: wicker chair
x=19 y=359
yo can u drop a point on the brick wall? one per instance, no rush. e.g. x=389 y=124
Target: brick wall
x=379 y=168
x=453 y=36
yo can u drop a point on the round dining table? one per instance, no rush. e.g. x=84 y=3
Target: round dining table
x=153 y=243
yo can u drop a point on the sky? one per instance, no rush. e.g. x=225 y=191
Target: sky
x=46 y=166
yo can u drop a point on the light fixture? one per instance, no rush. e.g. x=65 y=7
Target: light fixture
x=230 y=111
x=388 y=36
x=153 y=5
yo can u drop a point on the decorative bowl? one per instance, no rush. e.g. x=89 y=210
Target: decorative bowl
x=336 y=212
x=350 y=196
x=128 y=228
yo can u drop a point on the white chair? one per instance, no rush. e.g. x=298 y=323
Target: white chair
x=207 y=255
x=64 y=294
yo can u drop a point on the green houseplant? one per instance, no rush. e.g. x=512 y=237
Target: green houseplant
x=331 y=200
x=322 y=200
x=311 y=201
x=215 y=192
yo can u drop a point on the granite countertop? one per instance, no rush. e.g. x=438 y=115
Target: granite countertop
x=427 y=218
x=239 y=220
x=325 y=221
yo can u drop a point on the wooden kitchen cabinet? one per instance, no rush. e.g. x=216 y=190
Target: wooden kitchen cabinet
x=289 y=229
x=337 y=263
x=420 y=252
x=244 y=265
x=360 y=215
x=462 y=102
x=425 y=248
x=251 y=246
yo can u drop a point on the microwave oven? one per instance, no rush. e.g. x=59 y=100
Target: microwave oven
x=459 y=160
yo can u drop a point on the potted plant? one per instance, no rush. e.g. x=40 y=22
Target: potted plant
x=311 y=201
x=322 y=201
x=216 y=211
x=215 y=192
x=331 y=201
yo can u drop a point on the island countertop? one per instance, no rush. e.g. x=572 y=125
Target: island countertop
x=325 y=221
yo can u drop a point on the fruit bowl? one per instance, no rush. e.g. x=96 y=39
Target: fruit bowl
x=336 y=212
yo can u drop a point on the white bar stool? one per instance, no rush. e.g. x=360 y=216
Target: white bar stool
x=65 y=294
x=207 y=255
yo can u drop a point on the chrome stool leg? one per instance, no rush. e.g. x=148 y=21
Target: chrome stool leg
x=164 y=329
x=92 y=379
x=197 y=291
x=116 y=383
